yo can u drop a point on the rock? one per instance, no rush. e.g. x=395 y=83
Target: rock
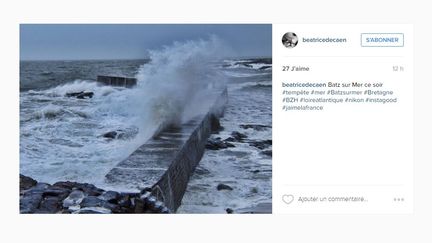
x=127 y=133
x=151 y=202
x=261 y=144
x=38 y=188
x=230 y=139
x=146 y=190
x=260 y=208
x=30 y=202
x=26 y=182
x=88 y=189
x=59 y=192
x=80 y=95
x=145 y=196
x=201 y=171
x=267 y=152
x=32 y=197
x=110 y=196
x=112 y=135
x=124 y=201
x=264 y=67
x=254 y=190
x=50 y=204
x=140 y=205
x=222 y=186
x=256 y=127
x=74 y=199
x=67 y=211
x=158 y=207
x=92 y=201
x=229 y=211
x=165 y=210
x=93 y=210
x=85 y=95
x=236 y=137
x=65 y=184
x=217 y=143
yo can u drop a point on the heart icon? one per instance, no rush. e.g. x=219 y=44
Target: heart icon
x=287 y=198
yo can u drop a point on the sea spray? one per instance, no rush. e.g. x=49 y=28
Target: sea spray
x=178 y=78
x=61 y=137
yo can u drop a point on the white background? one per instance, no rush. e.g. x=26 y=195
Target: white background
x=215 y=228
x=348 y=149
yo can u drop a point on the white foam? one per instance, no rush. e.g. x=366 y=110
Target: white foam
x=65 y=143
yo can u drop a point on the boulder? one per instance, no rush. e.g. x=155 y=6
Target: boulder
x=26 y=182
x=80 y=95
x=92 y=201
x=264 y=67
x=30 y=202
x=236 y=137
x=126 y=133
x=93 y=210
x=217 y=143
x=256 y=127
x=263 y=144
x=74 y=199
x=50 y=204
x=111 y=135
x=32 y=197
x=110 y=196
x=267 y=152
x=59 y=192
x=88 y=189
x=260 y=208
x=222 y=186
x=125 y=201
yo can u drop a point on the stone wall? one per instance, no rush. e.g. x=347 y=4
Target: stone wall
x=172 y=185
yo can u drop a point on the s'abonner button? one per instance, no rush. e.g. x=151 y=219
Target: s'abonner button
x=382 y=39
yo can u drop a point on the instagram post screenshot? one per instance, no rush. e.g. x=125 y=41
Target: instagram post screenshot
x=189 y=128
x=220 y=121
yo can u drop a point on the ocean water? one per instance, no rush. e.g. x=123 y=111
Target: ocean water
x=61 y=137
x=243 y=167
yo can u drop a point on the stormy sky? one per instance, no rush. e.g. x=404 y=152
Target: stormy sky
x=131 y=41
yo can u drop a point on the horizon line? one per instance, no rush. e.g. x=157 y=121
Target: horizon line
x=124 y=59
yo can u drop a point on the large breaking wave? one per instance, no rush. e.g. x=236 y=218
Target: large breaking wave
x=61 y=137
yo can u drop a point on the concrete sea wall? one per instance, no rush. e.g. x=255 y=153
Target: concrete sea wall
x=117 y=81
x=173 y=183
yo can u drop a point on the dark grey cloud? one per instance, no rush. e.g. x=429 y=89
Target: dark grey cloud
x=122 y=41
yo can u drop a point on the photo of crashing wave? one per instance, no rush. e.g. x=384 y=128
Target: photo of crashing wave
x=184 y=127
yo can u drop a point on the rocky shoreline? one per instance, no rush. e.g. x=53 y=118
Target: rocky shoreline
x=67 y=197
x=216 y=143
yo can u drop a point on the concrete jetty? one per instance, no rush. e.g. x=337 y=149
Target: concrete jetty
x=165 y=163
x=117 y=81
